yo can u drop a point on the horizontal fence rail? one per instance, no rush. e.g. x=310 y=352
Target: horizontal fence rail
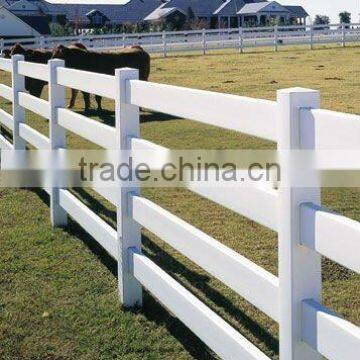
x=99 y=84
x=213 y=330
x=33 y=70
x=333 y=130
x=250 y=116
x=246 y=278
x=205 y=40
x=5 y=144
x=6 y=120
x=327 y=333
x=332 y=235
x=34 y=104
x=306 y=230
x=5 y=65
x=103 y=233
x=6 y=92
x=96 y=132
x=33 y=137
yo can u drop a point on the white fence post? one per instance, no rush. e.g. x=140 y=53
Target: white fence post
x=124 y=39
x=2 y=45
x=41 y=42
x=343 y=35
x=311 y=37
x=276 y=37
x=204 y=41
x=241 y=40
x=129 y=234
x=57 y=136
x=164 y=43
x=18 y=85
x=299 y=267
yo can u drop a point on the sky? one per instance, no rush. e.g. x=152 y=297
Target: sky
x=331 y=8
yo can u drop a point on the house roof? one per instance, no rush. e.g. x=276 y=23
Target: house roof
x=297 y=11
x=133 y=11
x=38 y=23
x=93 y=12
x=253 y=8
x=22 y=5
x=232 y=7
x=41 y=5
x=16 y=18
x=201 y=8
x=138 y=10
x=160 y=13
x=249 y=9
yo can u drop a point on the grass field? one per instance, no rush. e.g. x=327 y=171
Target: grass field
x=58 y=296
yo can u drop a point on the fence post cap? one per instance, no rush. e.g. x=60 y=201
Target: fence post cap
x=126 y=70
x=17 y=57
x=56 y=62
x=296 y=90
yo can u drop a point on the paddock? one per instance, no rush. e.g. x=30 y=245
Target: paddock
x=257 y=243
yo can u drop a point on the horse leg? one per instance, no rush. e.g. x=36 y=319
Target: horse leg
x=98 y=100
x=86 y=101
x=73 y=98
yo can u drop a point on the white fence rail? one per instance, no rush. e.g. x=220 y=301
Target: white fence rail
x=306 y=230
x=204 y=40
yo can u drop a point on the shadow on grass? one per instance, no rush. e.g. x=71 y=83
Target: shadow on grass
x=200 y=282
x=107 y=117
x=151 y=309
x=97 y=206
x=146 y=117
x=156 y=313
x=6 y=133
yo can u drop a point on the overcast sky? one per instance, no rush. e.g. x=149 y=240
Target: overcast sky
x=331 y=8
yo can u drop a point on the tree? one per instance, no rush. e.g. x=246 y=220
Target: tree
x=345 y=17
x=321 y=20
x=61 y=30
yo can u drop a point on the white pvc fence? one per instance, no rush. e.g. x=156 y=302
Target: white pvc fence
x=204 y=40
x=306 y=230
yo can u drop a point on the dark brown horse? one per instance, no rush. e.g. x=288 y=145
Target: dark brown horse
x=105 y=63
x=35 y=86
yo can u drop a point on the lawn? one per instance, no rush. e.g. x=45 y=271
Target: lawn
x=58 y=295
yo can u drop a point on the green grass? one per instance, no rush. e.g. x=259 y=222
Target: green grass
x=58 y=289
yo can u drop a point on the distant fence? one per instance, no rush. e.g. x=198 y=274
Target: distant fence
x=205 y=40
x=306 y=230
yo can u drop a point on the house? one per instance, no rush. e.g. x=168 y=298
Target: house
x=262 y=13
x=133 y=12
x=12 y=26
x=213 y=13
x=32 y=8
x=233 y=13
x=84 y=16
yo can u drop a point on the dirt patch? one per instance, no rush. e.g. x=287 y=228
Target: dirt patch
x=334 y=78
